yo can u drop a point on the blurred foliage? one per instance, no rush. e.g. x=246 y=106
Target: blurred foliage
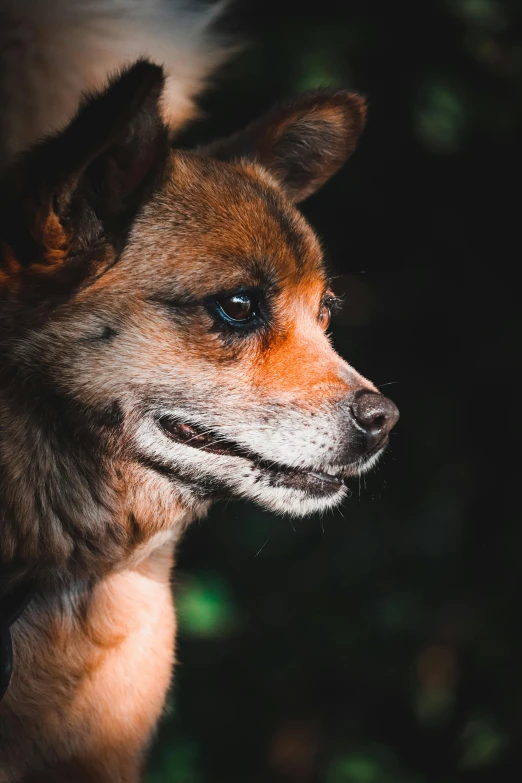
x=204 y=606
x=381 y=643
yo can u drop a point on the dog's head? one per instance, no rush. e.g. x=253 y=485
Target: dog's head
x=177 y=301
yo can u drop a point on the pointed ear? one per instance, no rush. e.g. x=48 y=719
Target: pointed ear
x=89 y=179
x=303 y=142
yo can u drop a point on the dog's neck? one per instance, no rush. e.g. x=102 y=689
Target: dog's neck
x=14 y=599
x=56 y=504
x=99 y=658
x=66 y=510
x=69 y=520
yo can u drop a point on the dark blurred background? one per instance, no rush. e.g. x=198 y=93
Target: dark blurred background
x=381 y=643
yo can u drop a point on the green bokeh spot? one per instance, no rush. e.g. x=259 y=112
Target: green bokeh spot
x=488 y=14
x=374 y=763
x=316 y=72
x=179 y=764
x=357 y=768
x=482 y=744
x=434 y=707
x=440 y=117
x=205 y=607
x=326 y=55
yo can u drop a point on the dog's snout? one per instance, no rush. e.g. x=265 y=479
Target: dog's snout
x=376 y=415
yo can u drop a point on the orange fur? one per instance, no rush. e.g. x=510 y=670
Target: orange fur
x=112 y=656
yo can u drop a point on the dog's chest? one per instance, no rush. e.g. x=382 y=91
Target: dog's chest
x=90 y=679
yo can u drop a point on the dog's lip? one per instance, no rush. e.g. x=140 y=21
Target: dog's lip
x=280 y=475
x=379 y=446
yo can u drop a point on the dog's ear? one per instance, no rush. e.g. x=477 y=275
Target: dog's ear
x=89 y=179
x=302 y=142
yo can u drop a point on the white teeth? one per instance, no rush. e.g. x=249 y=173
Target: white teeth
x=326 y=477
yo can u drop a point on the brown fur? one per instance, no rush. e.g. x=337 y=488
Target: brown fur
x=116 y=250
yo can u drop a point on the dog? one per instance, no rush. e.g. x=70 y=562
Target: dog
x=164 y=319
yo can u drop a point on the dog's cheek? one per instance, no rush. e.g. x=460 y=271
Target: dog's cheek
x=110 y=416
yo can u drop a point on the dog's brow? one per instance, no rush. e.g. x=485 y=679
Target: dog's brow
x=175 y=300
x=241 y=275
x=295 y=239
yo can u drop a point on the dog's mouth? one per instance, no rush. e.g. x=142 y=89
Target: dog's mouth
x=313 y=481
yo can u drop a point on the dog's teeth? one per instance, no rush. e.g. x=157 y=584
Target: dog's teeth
x=326 y=477
x=187 y=431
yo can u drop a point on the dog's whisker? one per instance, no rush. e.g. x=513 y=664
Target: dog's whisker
x=260 y=550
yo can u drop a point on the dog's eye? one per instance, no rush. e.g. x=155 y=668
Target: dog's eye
x=237 y=308
x=325 y=316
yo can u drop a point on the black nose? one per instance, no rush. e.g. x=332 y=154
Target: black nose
x=376 y=415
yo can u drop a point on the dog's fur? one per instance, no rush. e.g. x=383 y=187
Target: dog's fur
x=127 y=403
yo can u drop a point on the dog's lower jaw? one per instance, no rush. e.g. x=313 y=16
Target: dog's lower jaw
x=205 y=466
x=244 y=481
x=99 y=661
